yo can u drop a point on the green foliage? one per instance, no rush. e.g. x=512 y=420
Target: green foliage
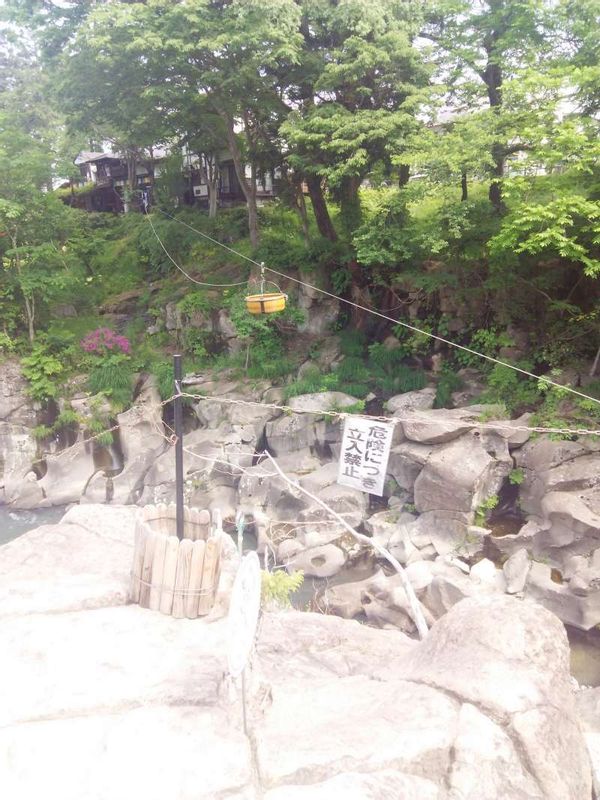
x=41 y=432
x=516 y=392
x=194 y=342
x=353 y=342
x=448 y=383
x=43 y=372
x=112 y=377
x=313 y=380
x=195 y=301
x=7 y=345
x=99 y=428
x=390 y=374
x=485 y=509
x=163 y=372
x=487 y=341
x=265 y=345
x=516 y=476
x=560 y=409
x=277 y=586
x=568 y=226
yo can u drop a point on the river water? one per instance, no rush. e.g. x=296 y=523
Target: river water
x=15 y=522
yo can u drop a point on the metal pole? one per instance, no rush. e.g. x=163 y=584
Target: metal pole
x=178 y=414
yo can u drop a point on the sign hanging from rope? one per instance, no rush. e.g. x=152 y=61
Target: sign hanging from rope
x=364 y=455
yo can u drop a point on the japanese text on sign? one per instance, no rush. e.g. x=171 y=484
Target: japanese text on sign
x=364 y=455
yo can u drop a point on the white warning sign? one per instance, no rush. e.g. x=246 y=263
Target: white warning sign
x=365 y=453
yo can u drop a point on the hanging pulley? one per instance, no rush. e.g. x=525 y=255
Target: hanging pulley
x=266 y=302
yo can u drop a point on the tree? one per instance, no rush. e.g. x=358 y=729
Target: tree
x=34 y=224
x=483 y=44
x=140 y=61
x=354 y=96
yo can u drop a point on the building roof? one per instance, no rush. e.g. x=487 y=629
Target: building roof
x=86 y=156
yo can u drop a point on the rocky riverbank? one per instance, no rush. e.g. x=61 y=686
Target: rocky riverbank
x=448 y=469
x=105 y=700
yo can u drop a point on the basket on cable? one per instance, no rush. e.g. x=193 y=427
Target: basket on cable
x=178 y=578
x=266 y=302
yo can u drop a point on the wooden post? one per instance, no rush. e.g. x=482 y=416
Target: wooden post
x=178 y=416
x=169 y=573
x=182 y=579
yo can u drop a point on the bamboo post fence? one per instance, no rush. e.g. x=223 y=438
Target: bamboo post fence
x=178 y=578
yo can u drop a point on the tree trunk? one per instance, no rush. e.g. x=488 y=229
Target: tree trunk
x=249 y=190
x=29 y=303
x=351 y=211
x=300 y=206
x=464 y=186
x=30 y=311
x=209 y=171
x=320 y=210
x=213 y=193
x=131 y=180
x=495 y=193
x=595 y=364
x=303 y=215
x=404 y=175
x=493 y=79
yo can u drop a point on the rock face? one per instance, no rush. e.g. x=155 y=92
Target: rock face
x=18 y=448
x=109 y=700
x=461 y=475
x=482 y=709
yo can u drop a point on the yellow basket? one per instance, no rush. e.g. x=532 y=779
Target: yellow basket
x=266 y=303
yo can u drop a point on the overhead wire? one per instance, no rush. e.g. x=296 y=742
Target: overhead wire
x=189 y=277
x=538 y=378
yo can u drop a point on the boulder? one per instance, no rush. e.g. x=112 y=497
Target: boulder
x=588 y=706
x=442 y=425
x=319 y=313
x=581 y=610
x=322 y=562
x=88 y=556
x=67 y=474
x=16 y=406
x=461 y=475
x=384 y=524
x=344 y=599
x=18 y=448
x=510 y=659
x=141 y=439
x=259 y=490
x=403 y=404
x=481 y=710
x=308 y=428
x=574 y=521
x=516 y=569
x=514 y=431
x=387 y=784
x=212 y=459
x=18 y=452
x=406 y=462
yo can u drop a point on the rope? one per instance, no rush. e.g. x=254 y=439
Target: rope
x=415 y=418
x=164 y=588
x=379 y=314
x=338 y=415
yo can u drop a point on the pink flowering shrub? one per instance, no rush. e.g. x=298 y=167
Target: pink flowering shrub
x=103 y=341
